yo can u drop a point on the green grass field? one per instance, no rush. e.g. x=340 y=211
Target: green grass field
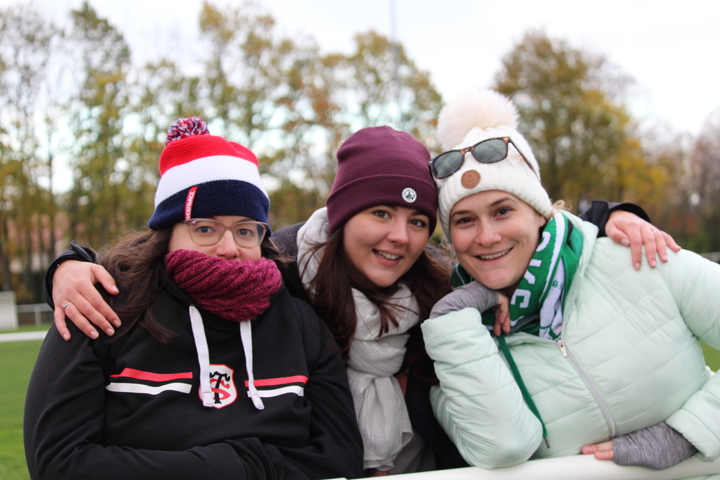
x=16 y=363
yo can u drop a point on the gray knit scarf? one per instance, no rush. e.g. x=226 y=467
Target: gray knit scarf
x=373 y=362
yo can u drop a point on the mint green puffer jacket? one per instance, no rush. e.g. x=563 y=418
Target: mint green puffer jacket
x=628 y=358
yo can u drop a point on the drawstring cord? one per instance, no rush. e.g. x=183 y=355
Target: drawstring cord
x=203 y=357
x=201 y=346
x=523 y=389
x=246 y=337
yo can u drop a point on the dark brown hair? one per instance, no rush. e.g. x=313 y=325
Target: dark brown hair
x=427 y=279
x=136 y=262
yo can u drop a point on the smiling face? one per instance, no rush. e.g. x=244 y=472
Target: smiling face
x=495 y=235
x=384 y=241
x=226 y=248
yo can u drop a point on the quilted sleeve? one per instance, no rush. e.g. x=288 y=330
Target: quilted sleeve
x=478 y=402
x=695 y=283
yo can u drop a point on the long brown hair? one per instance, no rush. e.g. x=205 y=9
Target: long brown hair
x=137 y=261
x=427 y=279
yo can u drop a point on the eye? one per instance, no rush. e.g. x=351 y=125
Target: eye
x=463 y=221
x=381 y=213
x=503 y=211
x=419 y=222
x=246 y=232
x=202 y=228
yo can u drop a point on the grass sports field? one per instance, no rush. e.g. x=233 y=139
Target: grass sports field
x=16 y=362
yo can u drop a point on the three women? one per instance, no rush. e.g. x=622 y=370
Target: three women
x=364 y=265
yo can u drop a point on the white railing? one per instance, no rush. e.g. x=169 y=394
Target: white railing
x=577 y=467
x=22 y=336
x=713 y=256
x=35 y=308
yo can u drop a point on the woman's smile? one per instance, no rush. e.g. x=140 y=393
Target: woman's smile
x=495 y=235
x=493 y=256
x=383 y=242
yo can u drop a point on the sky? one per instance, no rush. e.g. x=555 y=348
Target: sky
x=670 y=48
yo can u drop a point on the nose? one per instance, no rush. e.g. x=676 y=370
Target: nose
x=486 y=234
x=227 y=248
x=399 y=232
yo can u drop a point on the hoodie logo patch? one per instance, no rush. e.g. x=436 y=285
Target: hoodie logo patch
x=409 y=195
x=222 y=384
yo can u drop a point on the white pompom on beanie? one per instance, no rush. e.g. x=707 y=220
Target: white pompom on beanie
x=475 y=116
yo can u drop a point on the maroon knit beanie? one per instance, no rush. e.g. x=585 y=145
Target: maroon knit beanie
x=381 y=166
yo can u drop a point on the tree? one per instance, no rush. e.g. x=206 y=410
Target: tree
x=159 y=94
x=99 y=197
x=27 y=202
x=565 y=98
x=384 y=87
x=294 y=107
x=255 y=84
x=705 y=161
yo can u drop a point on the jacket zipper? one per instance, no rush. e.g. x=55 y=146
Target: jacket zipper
x=580 y=371
x=590 y=384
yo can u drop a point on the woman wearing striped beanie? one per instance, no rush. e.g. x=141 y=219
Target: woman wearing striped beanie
x=217 y=369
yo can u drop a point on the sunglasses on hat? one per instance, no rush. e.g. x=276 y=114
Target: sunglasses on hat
x=490 y=150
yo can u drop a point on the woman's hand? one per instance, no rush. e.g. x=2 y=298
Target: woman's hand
x=628 y=229
x=502 y=315
x=602 y=451
x=76 y=298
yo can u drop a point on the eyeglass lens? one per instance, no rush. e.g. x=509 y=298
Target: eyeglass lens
x=488 y=151
x=209 y=232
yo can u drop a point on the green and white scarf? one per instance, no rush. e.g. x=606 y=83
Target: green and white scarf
x=537 y=304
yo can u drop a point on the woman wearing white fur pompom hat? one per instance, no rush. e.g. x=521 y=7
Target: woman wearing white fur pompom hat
x=597 y=357
x=469 y=124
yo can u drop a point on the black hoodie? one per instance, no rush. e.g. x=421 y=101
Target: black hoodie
x=147 y=421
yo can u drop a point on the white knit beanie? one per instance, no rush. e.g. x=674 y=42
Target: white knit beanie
x=475 y=116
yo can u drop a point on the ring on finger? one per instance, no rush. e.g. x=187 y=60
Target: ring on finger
x=66 y=304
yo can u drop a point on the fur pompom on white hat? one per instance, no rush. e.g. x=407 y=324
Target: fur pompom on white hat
x=471 y=118
x=483 y=109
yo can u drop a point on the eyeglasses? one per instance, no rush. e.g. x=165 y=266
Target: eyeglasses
x=490 y=150
x=206 y=231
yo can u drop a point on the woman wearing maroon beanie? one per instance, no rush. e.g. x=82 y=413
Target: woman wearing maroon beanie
x=363 y=262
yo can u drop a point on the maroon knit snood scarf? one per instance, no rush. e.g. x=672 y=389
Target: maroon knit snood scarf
x=233 y=290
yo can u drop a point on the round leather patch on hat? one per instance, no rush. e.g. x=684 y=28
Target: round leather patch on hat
x=470 y=179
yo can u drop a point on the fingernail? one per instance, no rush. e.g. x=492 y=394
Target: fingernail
x=625 y=242
x=117 y=323
x=115 y=289
x=110 y=331
x=653 y=263
x=66 y=337
x=637 y=266
x=93 y=334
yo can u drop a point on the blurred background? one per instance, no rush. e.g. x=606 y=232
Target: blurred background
x=619 y=100
x=88 y=90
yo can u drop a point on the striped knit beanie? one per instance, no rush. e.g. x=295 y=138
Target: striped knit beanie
x=203 y=176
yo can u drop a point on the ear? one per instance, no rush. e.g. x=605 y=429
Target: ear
x=542 y=221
